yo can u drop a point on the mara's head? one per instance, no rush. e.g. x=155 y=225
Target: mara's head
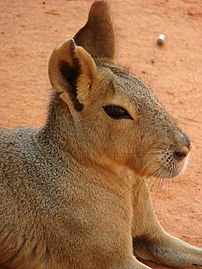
x=116 y=119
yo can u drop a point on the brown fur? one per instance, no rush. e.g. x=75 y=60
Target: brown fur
x=74 y=193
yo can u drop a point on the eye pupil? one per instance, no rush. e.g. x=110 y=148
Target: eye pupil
x=117 y=112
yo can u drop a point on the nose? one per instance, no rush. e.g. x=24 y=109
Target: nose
x=187 y=141
x=179 y=155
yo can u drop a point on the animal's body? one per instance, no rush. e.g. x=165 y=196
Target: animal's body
x=74 y=193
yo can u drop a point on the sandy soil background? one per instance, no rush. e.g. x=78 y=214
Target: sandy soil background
x=29 y=30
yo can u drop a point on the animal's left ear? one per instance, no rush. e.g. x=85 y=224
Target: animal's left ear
x=72 y=72
x=97 y=36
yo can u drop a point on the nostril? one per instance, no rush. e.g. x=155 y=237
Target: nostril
x=181 y=154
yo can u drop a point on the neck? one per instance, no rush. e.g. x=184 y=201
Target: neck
x=59 y=129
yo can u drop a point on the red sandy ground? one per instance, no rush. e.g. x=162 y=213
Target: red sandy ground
x=29 y=30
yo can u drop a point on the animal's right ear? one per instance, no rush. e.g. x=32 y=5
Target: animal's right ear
x=72 y=70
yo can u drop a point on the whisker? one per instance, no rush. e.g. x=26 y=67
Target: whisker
x=151 y=168
x=137 y=185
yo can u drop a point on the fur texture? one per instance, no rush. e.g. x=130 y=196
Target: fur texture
x=74 y=193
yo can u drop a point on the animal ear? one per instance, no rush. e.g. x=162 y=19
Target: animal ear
x=72 y=71
x=98 y=35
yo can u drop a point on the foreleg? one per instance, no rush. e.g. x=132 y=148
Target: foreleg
x=151 y=242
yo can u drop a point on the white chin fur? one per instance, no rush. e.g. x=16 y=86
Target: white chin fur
x=184 y=165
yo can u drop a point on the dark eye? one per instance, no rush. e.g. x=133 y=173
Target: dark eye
x=117 y=112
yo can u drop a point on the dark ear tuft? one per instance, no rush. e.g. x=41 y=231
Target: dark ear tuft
x=72 y=72
x=98 y=35
x=63 y=72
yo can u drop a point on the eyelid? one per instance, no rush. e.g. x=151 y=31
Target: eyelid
x=109 y=111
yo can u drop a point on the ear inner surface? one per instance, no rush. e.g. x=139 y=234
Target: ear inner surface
x=87 y=63
x=98 y=35
x=72 y=71
x=60 y=60
x=87 y=76
x=63 y=72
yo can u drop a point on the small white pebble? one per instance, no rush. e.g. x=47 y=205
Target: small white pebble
x=161 y=39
